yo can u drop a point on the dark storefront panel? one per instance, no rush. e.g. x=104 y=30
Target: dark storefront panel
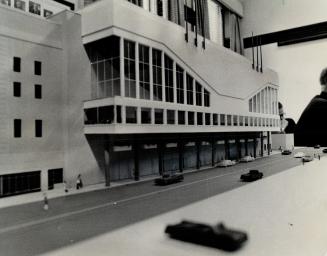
x=189 y=158
x=220 y=152
x=122 y=165
x=251 y=147
x=171 y=159
x=233 y=153
x=243 y=148
x=20 y=183
x=149 y=163
x=55 y=176
x=205 y=154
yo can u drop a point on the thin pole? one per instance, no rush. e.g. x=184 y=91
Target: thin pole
x=196 y=6
x=257 y=53
x=261 y=70
x=186 y=24
x=252 y=52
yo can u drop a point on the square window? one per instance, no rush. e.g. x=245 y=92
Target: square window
x=37 y=68
x=17 y=89
x=181 y=117
x=207 y=118
x=170 y=116
x=158 y=116
x=38 y=128
x=17 y=128
x=17 y=64
x=38 y=91
x=199 y=117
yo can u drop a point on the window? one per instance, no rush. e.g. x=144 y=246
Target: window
x=222 y=119
x=17 y=128
x=157 y=74
x=38 y=91
x=241 y=121
x=131 y=115
x=129 y=62
x=189 y=88
x=190 y=116
x=229 y=120
x=206 y=98
x=146 y=115
x=198 y=88
x=37 y=68
x=144 y=71
x=38 y=128
x=5 y=2
x=159 y=8
x=207 y=118
x=55 y=176
x=246 y=121
x=169 y=87
x=199 y=117
x=19 y=4
x=158 y=116
x=17 y=64
x=34 y=8
x=215 y=119
x=137 y=2
x=180 y=84
x=47 y=13
x=181 y=117
x=118 y=114
x=235 y=121
x=106 y=114
x=17 y=89
x=170 y=116
x=104 y=55
x=250 y=105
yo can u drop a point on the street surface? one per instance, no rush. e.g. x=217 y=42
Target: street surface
x=29 y=230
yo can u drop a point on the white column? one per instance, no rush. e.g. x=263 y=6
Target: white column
x=122 y=67
x=123 y=114
x=163 y=76
x=185 y=87
x=151 y=73
x=137 y=70
x=138 y=115
x=44 y=180
x=165 y=9
x=115 y=114
x=152 y=116
x=194 y=93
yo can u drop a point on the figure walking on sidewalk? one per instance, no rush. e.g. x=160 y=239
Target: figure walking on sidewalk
x=46 y=202
x=79 y=183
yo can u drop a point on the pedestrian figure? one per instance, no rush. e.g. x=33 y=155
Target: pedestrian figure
x=79 y=183
x=303 y=161
x=319 y=156
x=65 y=187
x=46 y=203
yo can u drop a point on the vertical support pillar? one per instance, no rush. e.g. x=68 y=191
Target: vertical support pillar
x=198 y=149
x=161 y=148
x=136 y=149
x=122 y=67
x=268 y=143
x=246 y=147
x=213 y=151
x=261 y=140
x=255 y=147
x=108 y=151
x=151 y=72
x=181 y=154
x=174 y=82
x=227 y=154
x=163 y=76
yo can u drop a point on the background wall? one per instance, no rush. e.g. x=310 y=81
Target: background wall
x=298 y=65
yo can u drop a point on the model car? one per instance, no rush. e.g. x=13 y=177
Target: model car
x=316 y=146
x=299 y=155
x=252 y=175
x=324 y=150
x=286 y=152
x=226 y=163
x=307 y=158
x=214 y=236
x=169 y=178
x=247 y=159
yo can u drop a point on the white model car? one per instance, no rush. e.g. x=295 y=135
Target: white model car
x=247 y=159
x=226 y=163
x=299 y=155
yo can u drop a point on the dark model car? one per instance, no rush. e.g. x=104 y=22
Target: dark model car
x=214 y=236
x=324 y=150
x=252 y=175
x=307 y=158
x=286 y=152
x=169 y=178
x=316 y=146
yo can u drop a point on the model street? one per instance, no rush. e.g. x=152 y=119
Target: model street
x=29 y=230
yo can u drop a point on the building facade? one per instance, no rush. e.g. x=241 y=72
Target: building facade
x=129 y=89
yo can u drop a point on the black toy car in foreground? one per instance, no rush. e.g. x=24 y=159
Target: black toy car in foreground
x=324 y=150
x=167 y=179
x=214 y=236
x=252 y=175
x=286 y=152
